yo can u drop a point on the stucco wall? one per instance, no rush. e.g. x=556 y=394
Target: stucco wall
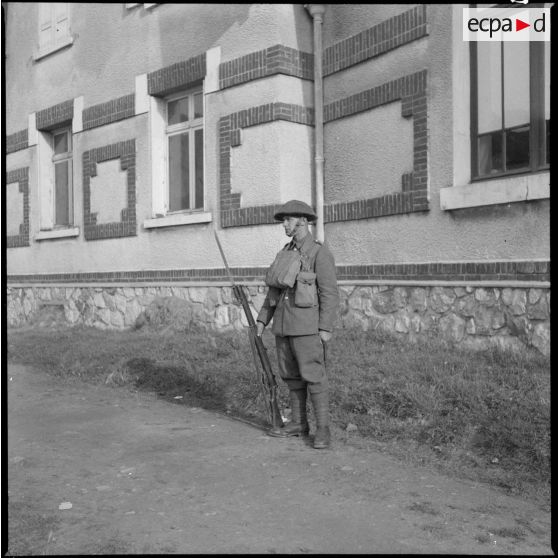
x=343 y=20
x=366 y=154
x=110 y=46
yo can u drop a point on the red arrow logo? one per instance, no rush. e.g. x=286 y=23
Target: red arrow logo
x=519 y=25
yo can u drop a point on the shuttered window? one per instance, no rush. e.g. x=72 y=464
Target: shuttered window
x=54 y=26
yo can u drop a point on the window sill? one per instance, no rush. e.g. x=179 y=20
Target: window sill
x=42 y=53
x=178 y=219
x=497 y=191
x=57 y=233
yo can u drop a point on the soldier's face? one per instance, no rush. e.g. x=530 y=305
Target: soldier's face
x=291 y=224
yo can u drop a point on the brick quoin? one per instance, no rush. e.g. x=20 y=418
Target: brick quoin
x=232 y=215
x=126 y=152
x=21 y=176
x=411 y=91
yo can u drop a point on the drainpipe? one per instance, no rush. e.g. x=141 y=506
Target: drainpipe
x=317 y=11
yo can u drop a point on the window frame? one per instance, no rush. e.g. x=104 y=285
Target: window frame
x=537 y=122
x=190 y=126
x=60 y=158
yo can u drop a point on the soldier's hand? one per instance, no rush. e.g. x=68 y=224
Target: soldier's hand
x=260 y=327
x=325 y=336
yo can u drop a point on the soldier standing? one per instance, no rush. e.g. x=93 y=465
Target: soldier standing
x=303 y=316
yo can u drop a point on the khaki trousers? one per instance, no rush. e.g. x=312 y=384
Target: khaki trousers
x=301 y=362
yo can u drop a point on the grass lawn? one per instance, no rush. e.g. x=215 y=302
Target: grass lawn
x=478 y=415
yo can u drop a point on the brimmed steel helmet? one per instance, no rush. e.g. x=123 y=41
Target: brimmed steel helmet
x=295 y=208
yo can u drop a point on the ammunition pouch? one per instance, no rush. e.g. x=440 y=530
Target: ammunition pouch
x=306 y=293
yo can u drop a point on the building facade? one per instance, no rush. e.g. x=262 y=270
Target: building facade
x=133 y=131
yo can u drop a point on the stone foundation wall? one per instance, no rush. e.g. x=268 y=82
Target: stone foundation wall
x=475 y=317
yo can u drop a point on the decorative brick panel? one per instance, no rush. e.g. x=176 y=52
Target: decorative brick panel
x=126 y=152
x=18 y=140
x=277 y=59
x=56 y=115
x=538 y=271
x=180 y=75
x=111 y=111
x=232 y=215
x=411 y=91
x=20 y=175
x=381 y=38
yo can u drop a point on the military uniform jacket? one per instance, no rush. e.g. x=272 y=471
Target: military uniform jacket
x=289 y=319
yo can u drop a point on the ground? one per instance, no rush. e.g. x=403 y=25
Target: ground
x=145 y=476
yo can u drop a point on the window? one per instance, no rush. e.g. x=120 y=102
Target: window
x=54 y=27
x=510 y=107
x=62 y=169
x=55 y=180
x=184 y=148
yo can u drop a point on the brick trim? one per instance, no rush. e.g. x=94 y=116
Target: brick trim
x=383 y=37
x=20 y=175
x=54 y=116
x=411 y=91
x=280 y=59
x=277 y=59
x=230 y=126
x=180 y=75
x=17 y=141
x=126 y=152
x=111 y=111
x=538 y=271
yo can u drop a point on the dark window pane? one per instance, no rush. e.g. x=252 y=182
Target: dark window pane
x=60 y=143
x=61 y=194
x=179 y=173
x=199 y=168
x=178 y=111
x=517 y=148
x=490 y=153
x=198 y=105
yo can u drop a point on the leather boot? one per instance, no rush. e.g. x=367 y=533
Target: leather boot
x=299 y=423
x=320 y=401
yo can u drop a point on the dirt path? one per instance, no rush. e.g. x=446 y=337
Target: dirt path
x=146 y=476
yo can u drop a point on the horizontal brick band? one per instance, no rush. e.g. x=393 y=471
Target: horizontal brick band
x=55 y=116
x=381 y=38
x=21 y=176
x=389 y=204
x=16 y=141
x=448 y=271
x=180 y=75
x=277 y=59
x=111 y=111
x=126 y=152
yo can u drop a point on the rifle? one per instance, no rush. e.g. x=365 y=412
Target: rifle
x=261 y=361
